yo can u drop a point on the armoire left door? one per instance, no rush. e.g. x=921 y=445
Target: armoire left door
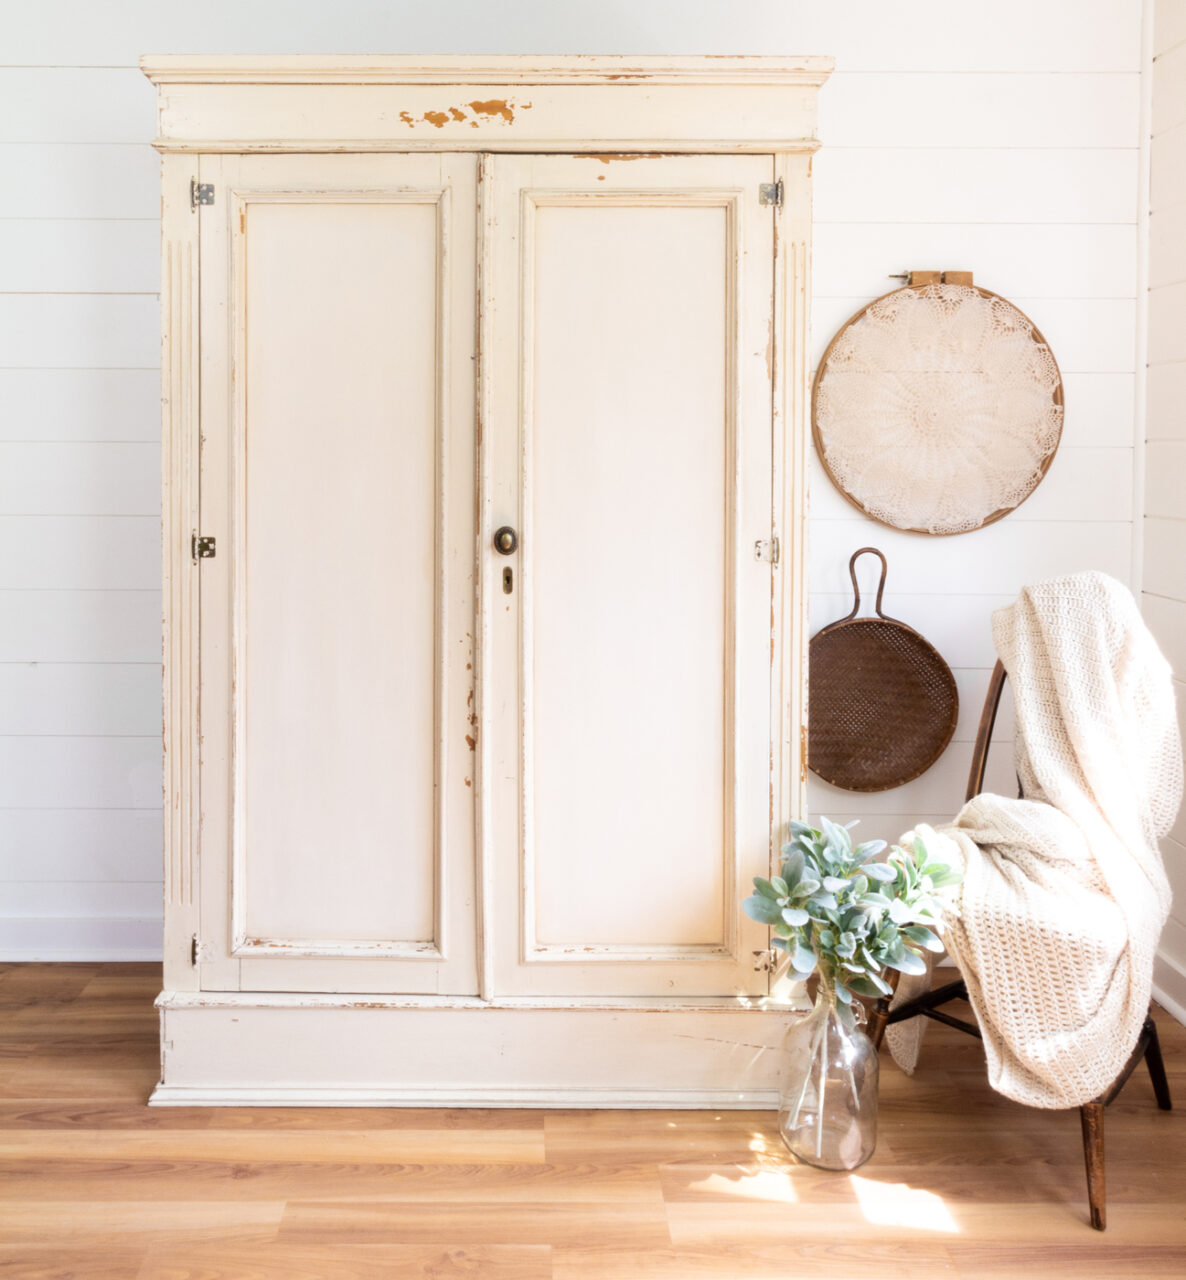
x=337 y=474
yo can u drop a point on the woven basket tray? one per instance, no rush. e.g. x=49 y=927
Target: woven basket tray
x=882 y=702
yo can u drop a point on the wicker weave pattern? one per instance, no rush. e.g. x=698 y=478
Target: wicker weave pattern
x=883 y=703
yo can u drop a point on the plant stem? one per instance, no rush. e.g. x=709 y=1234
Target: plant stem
x=823 y=1084
x=825 y=998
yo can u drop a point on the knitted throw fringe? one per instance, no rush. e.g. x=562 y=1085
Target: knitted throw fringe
x=1064 y=893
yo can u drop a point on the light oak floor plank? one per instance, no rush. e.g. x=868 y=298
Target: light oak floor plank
x=964 y=1184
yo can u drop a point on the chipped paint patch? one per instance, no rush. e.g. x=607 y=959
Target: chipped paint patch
x=499 y=107
x=608 y=157
x=492 y=109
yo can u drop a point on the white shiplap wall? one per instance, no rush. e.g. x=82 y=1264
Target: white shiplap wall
x=1001 y=138
x=1164 y=599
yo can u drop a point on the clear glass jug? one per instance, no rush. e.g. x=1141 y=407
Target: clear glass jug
x=827 y=1112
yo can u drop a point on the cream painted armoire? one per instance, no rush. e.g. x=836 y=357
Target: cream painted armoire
x=484 y=401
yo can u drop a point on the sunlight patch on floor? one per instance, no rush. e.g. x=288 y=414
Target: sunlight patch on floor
x=770 y=1185
x=897 y=1204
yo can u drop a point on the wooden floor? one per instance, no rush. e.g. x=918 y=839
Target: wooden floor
x=964 y=1184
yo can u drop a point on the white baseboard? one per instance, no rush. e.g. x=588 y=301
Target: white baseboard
x=73 y=939
x=1169 y=986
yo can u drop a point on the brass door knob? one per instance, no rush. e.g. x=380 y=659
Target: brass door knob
x=505 y=540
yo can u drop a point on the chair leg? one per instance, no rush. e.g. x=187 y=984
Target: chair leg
x=876 y=1021
x=1091 y=1115
x=1156 y=1065
x=878 y=1016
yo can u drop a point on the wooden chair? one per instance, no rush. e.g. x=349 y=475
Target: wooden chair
x=929 y=1005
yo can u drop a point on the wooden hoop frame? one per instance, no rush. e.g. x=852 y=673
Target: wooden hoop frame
x=1058 y=399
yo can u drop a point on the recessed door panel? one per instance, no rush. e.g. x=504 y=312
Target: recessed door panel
x=629 y=442
x=343 y=289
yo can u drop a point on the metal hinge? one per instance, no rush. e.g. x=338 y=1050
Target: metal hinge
x=765 y=961
x=202 y=548
x=770 y=193
x=195 y=949
x=200 y=193
x=767 y=549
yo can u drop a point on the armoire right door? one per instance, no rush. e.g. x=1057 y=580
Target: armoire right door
x=625 y=696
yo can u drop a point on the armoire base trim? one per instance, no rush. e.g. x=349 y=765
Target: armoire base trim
x=165 y=1095
x=353 y=1054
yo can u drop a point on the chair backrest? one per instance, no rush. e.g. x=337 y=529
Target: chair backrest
x=988 y=718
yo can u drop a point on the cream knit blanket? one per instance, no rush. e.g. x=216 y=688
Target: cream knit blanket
x=1064 y=893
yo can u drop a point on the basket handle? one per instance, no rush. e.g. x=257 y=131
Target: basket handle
x=856 y=590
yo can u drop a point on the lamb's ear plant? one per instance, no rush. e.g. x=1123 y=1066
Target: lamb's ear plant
x=835 y=908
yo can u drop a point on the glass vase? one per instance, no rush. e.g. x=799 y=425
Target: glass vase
x=827 y=1111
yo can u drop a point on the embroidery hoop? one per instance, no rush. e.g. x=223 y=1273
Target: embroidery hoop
x=1030 y=437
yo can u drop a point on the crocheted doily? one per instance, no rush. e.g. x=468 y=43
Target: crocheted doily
x=938 y=408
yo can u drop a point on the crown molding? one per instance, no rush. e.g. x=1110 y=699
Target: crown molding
x=417 y=69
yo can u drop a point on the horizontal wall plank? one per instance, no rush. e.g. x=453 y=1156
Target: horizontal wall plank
x=1092 y=336
x=860 y=109
x=958 y=625
x=853 y=258
x=65 y=180
x=80 y=773
x=1166 y=402
x=1082 y=484
x=1084 y=35
x=973 y=689
x=95 y=899
x=115 y=552
x=933 y=109
x=1167 y=243
x=80 y=938
x=40 y=625
x=998 y=559
x=74 y=330
x=1167 y=333
x=80 y=404
x=1169 y=89
x=1173 y=937
x=1169 y=26
x=1099 y=410
x=1167 y=620
x=80 y=698
x=1167 y=180
x=1165 y=565
x=80 y=844
x=1178 y=830
x=1165 y=481
x=79 y=255
x=1009 y=185
x=80 y=479
x=71 y=104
